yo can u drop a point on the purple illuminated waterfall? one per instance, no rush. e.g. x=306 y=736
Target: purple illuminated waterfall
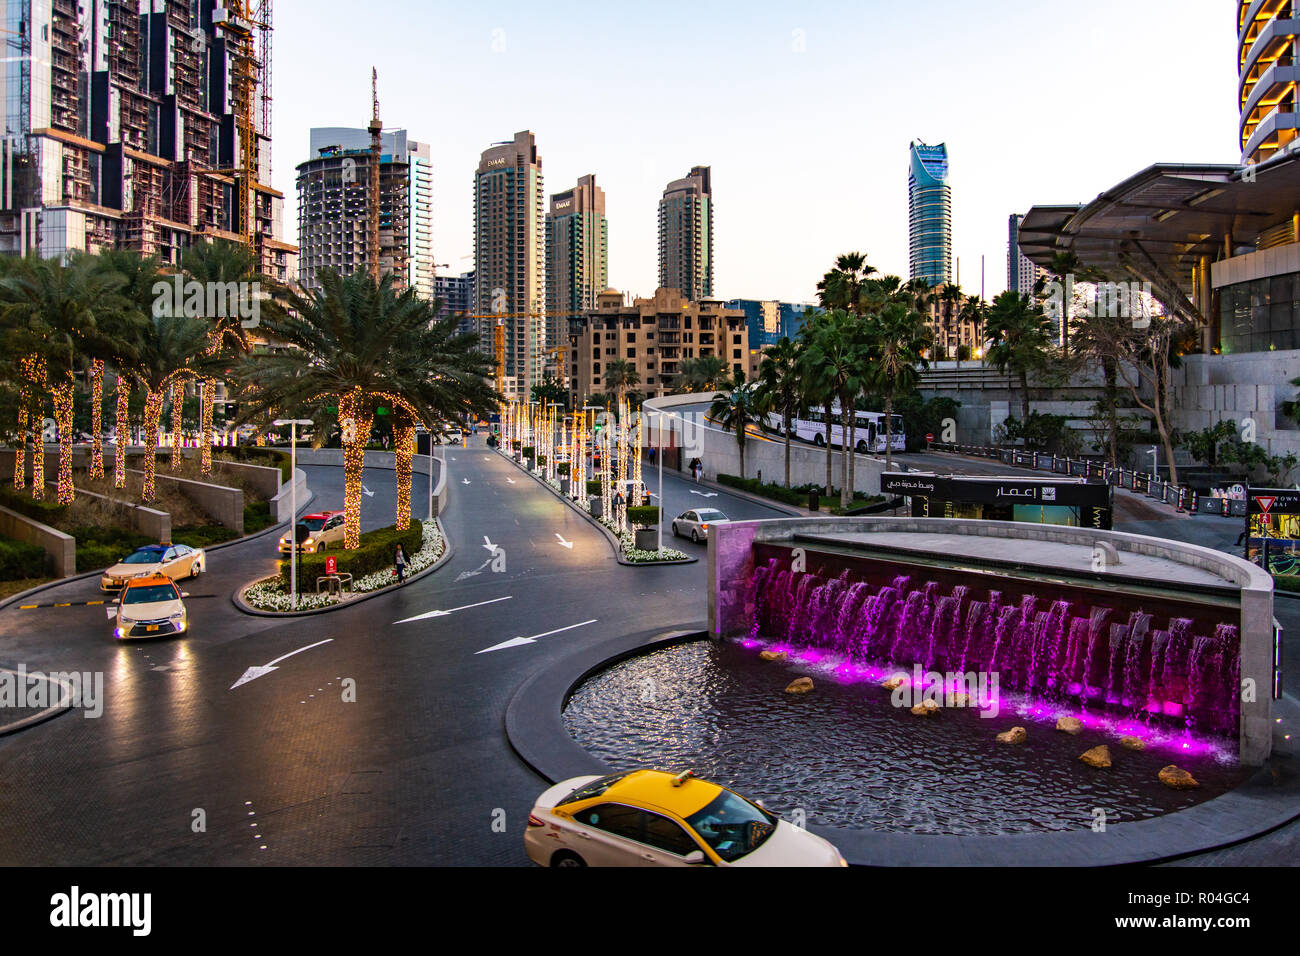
x=1053 y=649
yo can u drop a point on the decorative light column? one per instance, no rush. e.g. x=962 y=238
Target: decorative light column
x=96 y=420
x=178 y=407
x=63 y=419
x=123 y=425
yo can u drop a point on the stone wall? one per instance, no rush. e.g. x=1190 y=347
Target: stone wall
x=60 y=548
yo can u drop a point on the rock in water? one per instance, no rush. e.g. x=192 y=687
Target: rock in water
x=1177 y=778
x=1097 y=756
x=1016 y=735
x=1132 y=743
x=1071 y=725
x=895 y=682
x=800 y=685
x=774 y=656
x=927 y=708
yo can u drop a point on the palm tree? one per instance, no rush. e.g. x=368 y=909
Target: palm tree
x=367 y=347
x=818 y=388
x=705 y=373
x=841 y=287
x=972 y=315
x=778 y=381
x=68 y=307
x=838 y=354
x=1019 y=337
x=171 y=350
x=620 y=375
x=900 y=337
x=735 y=411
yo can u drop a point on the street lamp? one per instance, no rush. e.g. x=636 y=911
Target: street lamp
x=293 y=424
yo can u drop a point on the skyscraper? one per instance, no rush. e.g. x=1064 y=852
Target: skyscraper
x=509 y=256
x=1021 y=273
x=332 y=205
x=1269 y=77
x=122 y=128
x=929 y=202
x=577 y=257
x=686 y=235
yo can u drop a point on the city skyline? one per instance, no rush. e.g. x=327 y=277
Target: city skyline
x=635 y=138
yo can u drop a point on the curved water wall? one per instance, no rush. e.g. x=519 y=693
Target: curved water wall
x=1104 y=649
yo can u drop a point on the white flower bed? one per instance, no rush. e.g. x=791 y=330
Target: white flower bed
x=627 y=544
x=269 y=594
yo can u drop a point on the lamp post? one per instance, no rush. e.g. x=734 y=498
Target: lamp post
x=293 y=424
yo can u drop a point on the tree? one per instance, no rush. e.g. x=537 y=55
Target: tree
x=818 y=388
x=900 y=336
x=778 y=381
x=67 y=313
x=364 y=346
x=620 y=375
x=1018 y=334
x=705 y=373
x=839 y=355
x=1204 y=445
x=550 y=391
x=841 y=287
x=745 y=405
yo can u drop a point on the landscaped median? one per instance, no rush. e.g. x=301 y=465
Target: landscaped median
x=371 y=566
x=625 y=540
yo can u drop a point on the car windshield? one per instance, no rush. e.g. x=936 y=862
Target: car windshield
x=732 y=825
x=313 y=524
x=144 y=556
x=712 y=516
x=593 y=789
x=149 y=594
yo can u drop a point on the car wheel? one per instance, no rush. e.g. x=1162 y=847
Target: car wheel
x=695 y=536
x=196 y=569
x=567 y=858
x=676 y=533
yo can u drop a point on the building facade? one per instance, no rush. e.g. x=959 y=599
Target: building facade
x=1268 y=58
x=577 y=257
x=686 y=235
x=455 y=295
x=510 y=258
x=954 y=332
x=333 y=210
x=123 y=123
x=929 y=204
x=1022 y=274
x=654 y=335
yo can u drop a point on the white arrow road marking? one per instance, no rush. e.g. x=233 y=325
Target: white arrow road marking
x=567 y=544
x=510 y=481
x=464 y=481
x=518 y=641
x=703 y=494
x=367 y=492
x=253 y=673
x=466 y=607
x=487 y=544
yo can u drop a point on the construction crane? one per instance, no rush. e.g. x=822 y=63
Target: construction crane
x=499 y=334
x=243 y=19
x=372 y=223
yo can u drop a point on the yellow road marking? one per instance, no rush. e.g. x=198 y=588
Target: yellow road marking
x=27 y=607
x=63 y=605
x=93 y=603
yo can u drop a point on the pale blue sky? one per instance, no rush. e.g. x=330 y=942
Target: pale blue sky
x=804 y=111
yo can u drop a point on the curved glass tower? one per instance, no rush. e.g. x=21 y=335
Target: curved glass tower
x=1267 y=45
x=929 y=203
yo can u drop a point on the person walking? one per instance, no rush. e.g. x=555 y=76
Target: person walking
x=399 y=564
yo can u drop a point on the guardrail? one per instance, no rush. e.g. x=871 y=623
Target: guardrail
x=1153 y=486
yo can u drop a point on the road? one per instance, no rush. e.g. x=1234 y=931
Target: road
x=183 y=768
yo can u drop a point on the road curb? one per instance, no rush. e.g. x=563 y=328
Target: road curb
x=1267 y=801
x=237 y=599
x=47 y=714
x=609 y=535
x=84 y=575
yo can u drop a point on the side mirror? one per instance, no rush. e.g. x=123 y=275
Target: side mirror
x=185 y=594
x=695 y=858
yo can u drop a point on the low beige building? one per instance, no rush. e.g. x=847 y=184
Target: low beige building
x=655 y=335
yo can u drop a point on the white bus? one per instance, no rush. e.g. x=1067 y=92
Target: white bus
x=869 y=436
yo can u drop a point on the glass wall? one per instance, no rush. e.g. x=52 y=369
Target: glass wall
x=1260 y=316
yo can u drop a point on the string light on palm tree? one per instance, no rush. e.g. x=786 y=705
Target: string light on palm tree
x=96 y=419
x=153 y=407
x=178 y=406
x=63 y=419
x=404 y=445
x=37 y=424
x=123 y=425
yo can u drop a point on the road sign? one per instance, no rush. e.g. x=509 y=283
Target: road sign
x=331 y=565
x=929 y=436
x=1265 y=502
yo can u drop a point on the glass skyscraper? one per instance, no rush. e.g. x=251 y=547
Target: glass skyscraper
x=930 y=213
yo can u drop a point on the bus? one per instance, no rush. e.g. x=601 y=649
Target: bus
x=869 y=436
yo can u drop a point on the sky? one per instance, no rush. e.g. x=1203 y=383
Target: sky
x=804 y=111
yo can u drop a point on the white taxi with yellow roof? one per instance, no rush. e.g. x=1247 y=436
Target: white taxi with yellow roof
x=656 y=818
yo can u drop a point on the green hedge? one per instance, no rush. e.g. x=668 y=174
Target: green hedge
x=1286 y=582
x=562 y=469
x=19 y=561
x=46 y=511
x=253 y=455
x=99 y=547
x=202 y=535
x=529 y=451
x=257 y=517
x=644 y=516
x=374 y=554
x=593 y=486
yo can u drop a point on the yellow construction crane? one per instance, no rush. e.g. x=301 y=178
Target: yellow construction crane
x=499 y=336
x=246 y=17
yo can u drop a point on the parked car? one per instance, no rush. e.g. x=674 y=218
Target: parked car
x=324 y=530
x=694 y=524
x=655 y=818
x=173 y=561
x=150 y=607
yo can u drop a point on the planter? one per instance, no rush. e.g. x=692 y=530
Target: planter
x=565 y=483
x=596 y=507
x=528 y=463
x=647 y=539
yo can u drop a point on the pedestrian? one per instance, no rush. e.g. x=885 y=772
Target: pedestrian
x=619 y=503
x=399 y=563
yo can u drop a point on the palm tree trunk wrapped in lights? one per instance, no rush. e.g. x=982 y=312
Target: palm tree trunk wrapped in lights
x=606 y=476
x=20 y=450
x=153 y=407
x=404 y=449
x=356 y=415
x=208 y=389
x=96 y=419
x=123 y=431
x=178 y=408
x=63 y=419
x=36 y=419
x=636 y=457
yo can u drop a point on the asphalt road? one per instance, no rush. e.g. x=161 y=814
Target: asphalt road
x=282 y=770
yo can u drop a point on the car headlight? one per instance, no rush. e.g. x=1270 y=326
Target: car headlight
x=176 y=616
x=126 y=621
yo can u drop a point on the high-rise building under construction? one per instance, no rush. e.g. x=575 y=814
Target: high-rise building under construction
x=138 y=125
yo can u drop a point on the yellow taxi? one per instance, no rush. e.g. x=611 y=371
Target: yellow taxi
x=150 y=606
x=656 y=818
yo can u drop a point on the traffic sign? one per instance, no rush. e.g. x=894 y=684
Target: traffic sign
x=331 y=565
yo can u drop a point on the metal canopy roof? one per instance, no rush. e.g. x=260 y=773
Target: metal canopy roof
x=1156 y=225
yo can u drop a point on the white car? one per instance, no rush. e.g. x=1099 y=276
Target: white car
x=655 y=818
x=694 y=524
x=455 y=437
x=176 y=561
x=150 y=607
